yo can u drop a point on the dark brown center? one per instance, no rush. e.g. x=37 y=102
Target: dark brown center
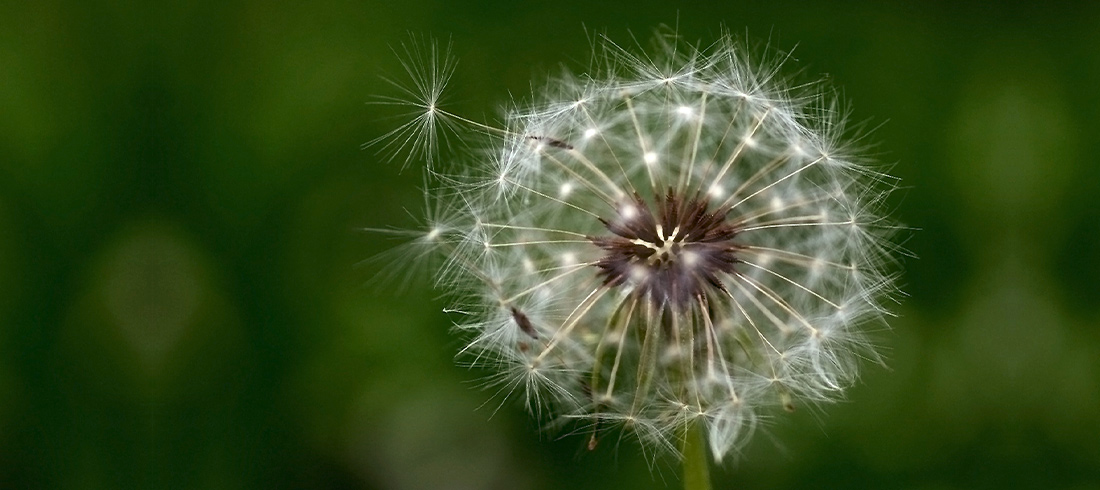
x=672 y=256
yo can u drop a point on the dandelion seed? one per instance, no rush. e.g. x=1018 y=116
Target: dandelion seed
x=665 y=249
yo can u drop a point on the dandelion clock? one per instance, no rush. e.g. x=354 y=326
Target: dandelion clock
x=671 y=245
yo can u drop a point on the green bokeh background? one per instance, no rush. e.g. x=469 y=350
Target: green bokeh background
x=183 y=302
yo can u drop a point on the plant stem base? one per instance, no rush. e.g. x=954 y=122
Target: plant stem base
x=696 y=462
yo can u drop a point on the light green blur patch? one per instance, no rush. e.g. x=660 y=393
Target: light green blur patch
x=152 y=290
x=1013 y=140
x=147 y=331
x=150 y=300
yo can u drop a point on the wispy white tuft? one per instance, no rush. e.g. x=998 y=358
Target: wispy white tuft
x=429 y=68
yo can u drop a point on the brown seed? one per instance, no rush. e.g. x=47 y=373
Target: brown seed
x=524 y=323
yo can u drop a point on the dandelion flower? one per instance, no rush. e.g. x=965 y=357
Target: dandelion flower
x=676 y=239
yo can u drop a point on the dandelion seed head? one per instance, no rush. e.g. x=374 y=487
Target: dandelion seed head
x=679 y=236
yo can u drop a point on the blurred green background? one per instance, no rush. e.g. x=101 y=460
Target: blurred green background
x=183 y=305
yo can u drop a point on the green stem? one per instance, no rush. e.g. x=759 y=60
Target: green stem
x=696 y=470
